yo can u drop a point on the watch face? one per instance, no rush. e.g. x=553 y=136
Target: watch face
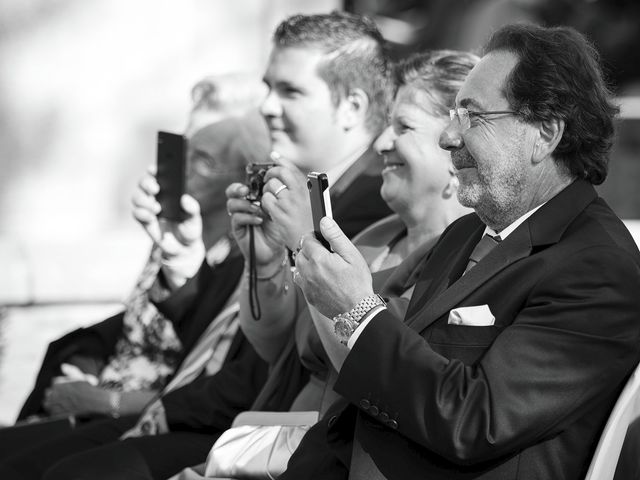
x=342 y=329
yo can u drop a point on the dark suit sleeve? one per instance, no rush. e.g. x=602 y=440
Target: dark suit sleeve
x=97 y=341
x=210 y=403
x=569 y=347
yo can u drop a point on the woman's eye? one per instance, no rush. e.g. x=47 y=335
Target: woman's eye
x=290 y=92
x=402 y=127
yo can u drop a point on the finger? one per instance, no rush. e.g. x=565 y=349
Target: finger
x=142 y=200
x=152 y=169
x=149 y=185
x=339 y=242
x=170 y=245
x=190 y=229
x=190 y=205
x=143 y=216
x=306 y=244
x=236 y=190
x=240 y=220
x=240 y=205
x=274 y=186
x=292 y=177
x=287 y=175
x=269 y=204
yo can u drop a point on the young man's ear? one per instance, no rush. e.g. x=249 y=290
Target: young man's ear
x=352 y=110
x=549 y=135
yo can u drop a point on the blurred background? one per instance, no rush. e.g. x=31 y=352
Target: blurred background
x=84 y=86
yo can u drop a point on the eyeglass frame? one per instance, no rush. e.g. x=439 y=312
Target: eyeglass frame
x=455 y=113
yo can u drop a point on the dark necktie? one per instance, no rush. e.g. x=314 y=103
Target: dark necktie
x=484 y=246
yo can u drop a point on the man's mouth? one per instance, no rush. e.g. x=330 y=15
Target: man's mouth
x=462 y=160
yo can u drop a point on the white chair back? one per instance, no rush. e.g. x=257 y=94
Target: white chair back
x=626 y=409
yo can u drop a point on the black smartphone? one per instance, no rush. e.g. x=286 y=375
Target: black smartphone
x=171 y=174
x=318 y=186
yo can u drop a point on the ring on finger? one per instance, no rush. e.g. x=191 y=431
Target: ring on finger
x=279 y=190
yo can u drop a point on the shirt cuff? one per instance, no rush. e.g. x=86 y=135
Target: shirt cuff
x=367 y=318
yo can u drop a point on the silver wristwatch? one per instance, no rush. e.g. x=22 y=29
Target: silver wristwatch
x=346 y=323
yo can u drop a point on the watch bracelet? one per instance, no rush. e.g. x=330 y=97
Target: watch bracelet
x=364 y=306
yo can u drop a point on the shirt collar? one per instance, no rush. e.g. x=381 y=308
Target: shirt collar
x=334 y=173
x=507 y=231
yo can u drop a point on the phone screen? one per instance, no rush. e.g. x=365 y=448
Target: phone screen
x=318 y=186
x=171 y=174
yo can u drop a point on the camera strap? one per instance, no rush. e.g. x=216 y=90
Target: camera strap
x=254 y=301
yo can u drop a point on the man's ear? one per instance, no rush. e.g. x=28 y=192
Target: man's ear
x=353 y=108
x=549 y=135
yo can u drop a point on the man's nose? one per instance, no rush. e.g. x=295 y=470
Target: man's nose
x=271 y=106
x=451 y=137
x=386 y=141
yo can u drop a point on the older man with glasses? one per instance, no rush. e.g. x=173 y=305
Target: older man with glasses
x=513 y=349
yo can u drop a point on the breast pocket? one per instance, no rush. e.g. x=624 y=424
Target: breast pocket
x=461 y=342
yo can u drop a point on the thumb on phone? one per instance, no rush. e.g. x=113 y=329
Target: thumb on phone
x=339 y=242
x=190 y=230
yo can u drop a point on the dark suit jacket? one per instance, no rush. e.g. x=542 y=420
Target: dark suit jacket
x=525 y=398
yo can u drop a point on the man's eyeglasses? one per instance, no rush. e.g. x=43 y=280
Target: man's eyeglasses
x=464 y=116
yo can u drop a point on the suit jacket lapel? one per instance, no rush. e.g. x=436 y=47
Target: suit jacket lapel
x=514 y=248
x=544 y=227
x=434 y=281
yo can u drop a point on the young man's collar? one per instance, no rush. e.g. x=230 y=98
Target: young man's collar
x=335 y=172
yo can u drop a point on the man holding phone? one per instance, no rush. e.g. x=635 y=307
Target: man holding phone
x=323 y=114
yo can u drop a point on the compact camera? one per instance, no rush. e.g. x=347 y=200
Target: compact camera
x=254 y=179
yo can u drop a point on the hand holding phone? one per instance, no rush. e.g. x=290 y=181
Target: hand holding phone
x=318 y=186
x=171 y=174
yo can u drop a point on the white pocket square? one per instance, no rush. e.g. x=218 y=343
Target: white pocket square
x=476 y=316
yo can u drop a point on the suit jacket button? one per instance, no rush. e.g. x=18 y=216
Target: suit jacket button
x=392 y=424
x=364 y=403
x=332 y=421
x=384 y=416
x=374 y=410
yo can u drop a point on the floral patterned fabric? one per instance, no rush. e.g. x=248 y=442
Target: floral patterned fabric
x=149 y=349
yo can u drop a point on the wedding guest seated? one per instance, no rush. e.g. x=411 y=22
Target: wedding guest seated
x=117 y=366
x=418 y=184
x=217 y=155
x=523 y=325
